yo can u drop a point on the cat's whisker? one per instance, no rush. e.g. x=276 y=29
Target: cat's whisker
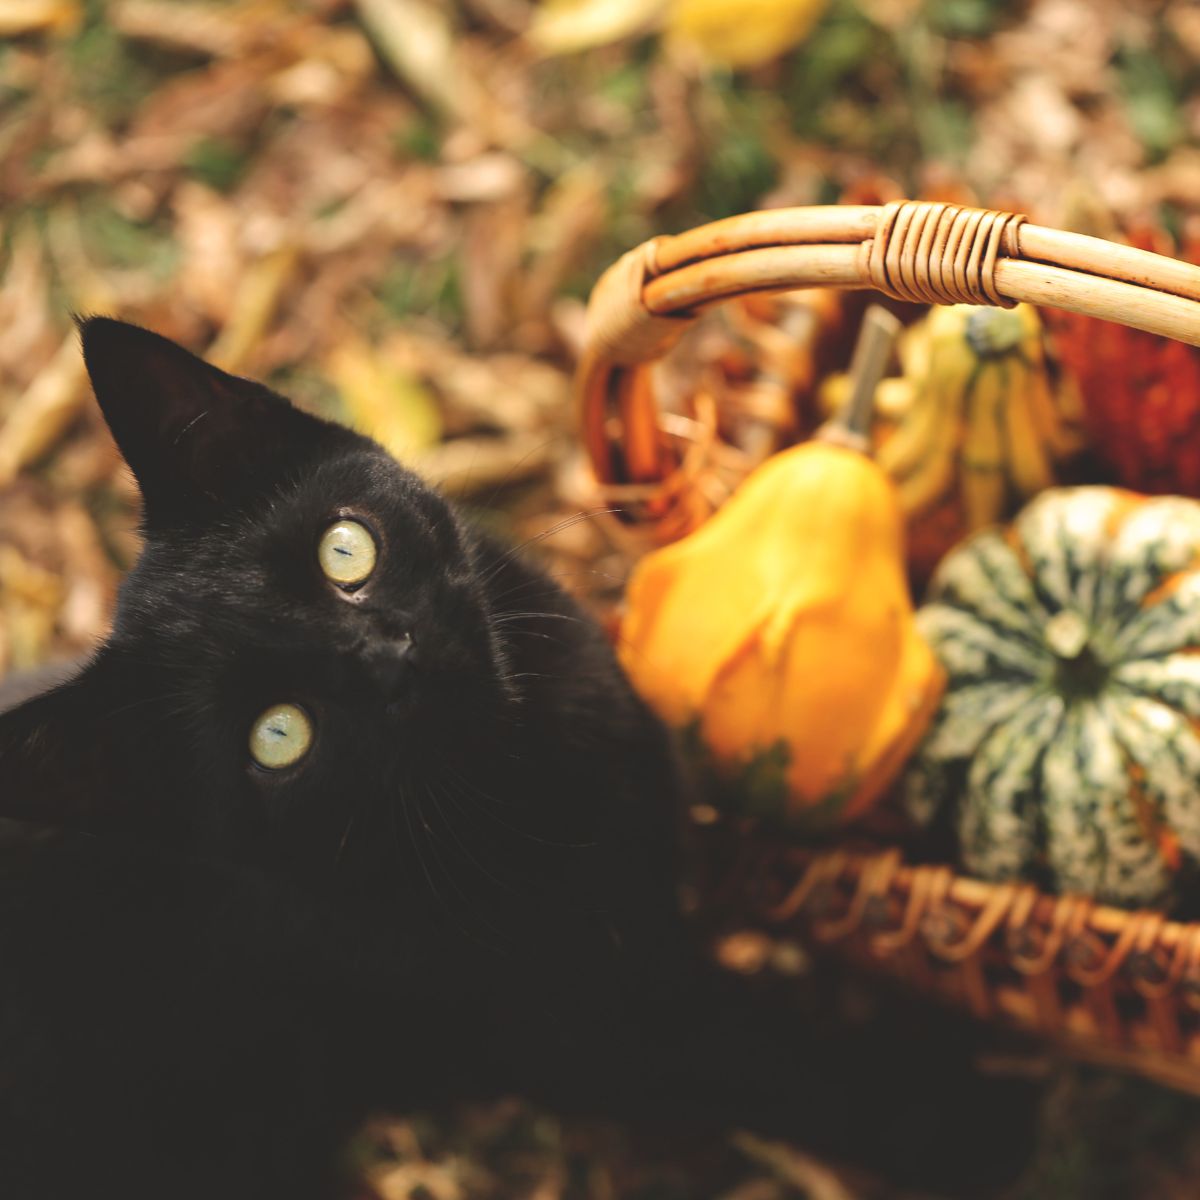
x=557 y=527
x=523 y=615
x=416 y=841
x=488 y=809
x=533 y=887
x=527 y=584
x=505 y=479
x=511 y=637
x=512 y=470
x=514 y=629
x=462 y=846
x=422 y=836
x=341 y=850
x=470 y=910
x=521 y=589
x=537 y=633
x=423 y=822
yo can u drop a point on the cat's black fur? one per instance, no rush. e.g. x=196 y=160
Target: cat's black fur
x=209 y=972
x=466 y=883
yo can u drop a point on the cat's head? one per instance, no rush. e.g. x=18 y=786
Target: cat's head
x=307 y=628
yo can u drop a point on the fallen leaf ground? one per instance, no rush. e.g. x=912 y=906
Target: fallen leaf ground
x=392 y=210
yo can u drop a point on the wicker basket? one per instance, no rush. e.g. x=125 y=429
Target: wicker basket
x=1117 y=987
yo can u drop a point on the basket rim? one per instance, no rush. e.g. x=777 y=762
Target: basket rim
x=919 y=251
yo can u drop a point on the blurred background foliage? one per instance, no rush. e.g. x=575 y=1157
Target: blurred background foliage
x=393 y=210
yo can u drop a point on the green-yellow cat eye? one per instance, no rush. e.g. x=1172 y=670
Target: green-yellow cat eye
x=346 y=553
x=280 y=737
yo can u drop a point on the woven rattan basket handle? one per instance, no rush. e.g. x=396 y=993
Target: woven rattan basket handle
x=920 y=251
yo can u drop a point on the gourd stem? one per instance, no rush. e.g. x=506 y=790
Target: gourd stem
x=851 y=427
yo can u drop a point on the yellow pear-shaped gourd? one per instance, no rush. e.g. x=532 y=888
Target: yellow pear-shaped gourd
x=785 y=623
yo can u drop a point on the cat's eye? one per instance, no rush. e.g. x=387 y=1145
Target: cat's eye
x=347 y=553
x=280 y=737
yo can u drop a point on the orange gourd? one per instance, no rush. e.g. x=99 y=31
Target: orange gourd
x=783 y=630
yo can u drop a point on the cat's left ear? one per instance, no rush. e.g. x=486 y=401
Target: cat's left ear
x=195 y=437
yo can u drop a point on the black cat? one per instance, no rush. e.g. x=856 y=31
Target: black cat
x=352 y=807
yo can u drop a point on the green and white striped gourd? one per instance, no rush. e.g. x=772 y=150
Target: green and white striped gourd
x=1067 y=739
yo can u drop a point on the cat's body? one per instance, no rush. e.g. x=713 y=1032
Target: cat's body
x=459 y=880
x=465 y=882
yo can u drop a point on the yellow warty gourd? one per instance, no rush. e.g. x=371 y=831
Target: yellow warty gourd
x=785 y=623
x=984 y=429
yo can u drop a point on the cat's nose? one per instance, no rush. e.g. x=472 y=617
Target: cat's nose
x=389 y=664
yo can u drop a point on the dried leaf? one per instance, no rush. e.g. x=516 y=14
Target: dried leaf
x=385 y=403
x=512 y=16
x=570 y=222
x=31 y=16
x=489 y=267
x=496 y=392
x=743 y=33
x=216 y=29
x=254 y=305
x=212 y=256
x=466 y=466
x=26 y=332
x=30 y=597
x=91 y=583
x=417 y=41
x=492 y=176
x=88 y=289
x=43 y=412
x=566 y=26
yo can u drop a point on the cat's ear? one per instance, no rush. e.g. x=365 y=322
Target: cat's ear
x=195 y=437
